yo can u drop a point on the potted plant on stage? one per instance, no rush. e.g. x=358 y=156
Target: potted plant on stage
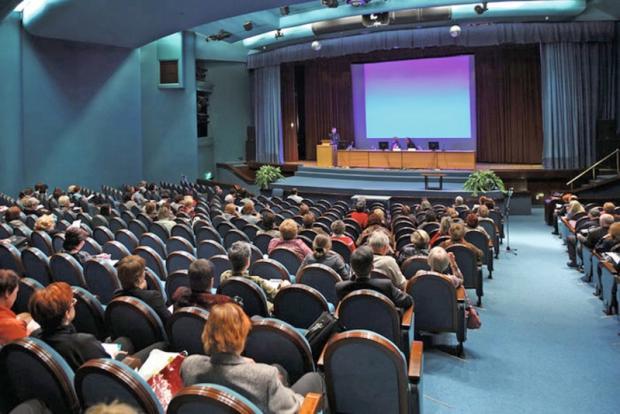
x=266 y=175
x=483 y=181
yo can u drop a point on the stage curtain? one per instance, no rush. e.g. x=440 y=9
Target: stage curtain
x=472 y=36
x=267 y=114
x=509 y=114
x=289 y=112
x=578 y=87
x=328 y=102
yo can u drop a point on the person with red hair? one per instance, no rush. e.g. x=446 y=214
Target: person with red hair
x=224 y=337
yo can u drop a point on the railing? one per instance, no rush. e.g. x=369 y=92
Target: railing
x=595 y=165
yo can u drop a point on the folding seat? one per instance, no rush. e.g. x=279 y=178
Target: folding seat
x=65 y=268
x=144 y=219
x=321 y=278
x=179 y=261
x=179 y=244
x=254 y=299
x=429 y=227
x=127 y=216
x=255 y=254
x=269 y=269
x=439 y=240
x=287 y=257
x=238 y=222
x=233 y=236
x=212 y=399
x=309 y=233
x=306 y=240
x=101 y=279
x=489 y=226
x=33 y=370
x=92 y=247
x=137 y=228
x=184 y=231
x=262 y=242
x=153 y=261
x=6 y=231
x=250 y=231
x=102 y=235
x=116 y=250
x=185 y=328
x=117 y=224
x=10 y=258
x=154 y=242
x=414 y=263
x=379 y=274
x=208 y=233
x=106 y=380
x=224 y=227
x=271 y=341
x=385 y=386
x=99 y=221
x=27 y=287
x=160 y=230
x=299 y=305
x=472 y=274
x=89 y=314
x=208 y=248
x=36 y=265
x=342 y=249
x=42 y=241
x=439 y=307
x=176 y=280
x=127 y=238
x=481 y=241
x=130 y=317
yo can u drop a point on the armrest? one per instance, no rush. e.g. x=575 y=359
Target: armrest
x=405 y=321
x=415 y=360
x=319 y=362
x=311 y=403
x=460 y=294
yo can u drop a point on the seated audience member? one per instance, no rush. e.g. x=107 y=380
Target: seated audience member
x=74 y=192
x=375 y=225
x=239 y=255
x=200 y=274
x=230 y=211
x=230 y=198
x=424 y=206
x=611 y=239
x=411 y=145
x=128 y=201
x=419 y=246
x=248 y=213
x=609 y=208
x=165 y=217
x=130 y=270
x=12 y=217
x=591 y=221
x=380 y=245
x=303 y=209
x=150 y=209
x=106 y=211
x=308 y=220
x=323 y=254
x=457 y=236
x=471 y=223
x=295 y=197
x=597 y=233
x=458 y=201
x=12 y=326
x=177 y=200
x=32 y=206
x=454 y=215
x=46 y=223
x=381 y=214
x=267 y=224
x=338 y=228
x=430 y=217
x=54 y=198
x=289 y=240
x=224 y=337
x=187 y=206
x=360 y=215
x=112 y=408
x=574 y=208
x=40 y=190
x=362 y=265
x=75 y=239
x=444 y=229
x=483 y=212
x=406 y=212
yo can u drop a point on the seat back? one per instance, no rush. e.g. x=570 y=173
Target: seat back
x=36 y=265
x=183 y=231
x=208 y=233
x=154 y=242
x=127 y=238
x=185 y=329
x=10 y=258
x=220 y=265
x=287 y=257
x=356 y=386
x=250 y=230
x=57 y=242
x=33 y=370
x=115 y=249
x=130 y=317
x=341 y=248
x=27 y=287
x=106 y=380
x=262 y=242
x=92 y=247
x=42 y=241
x=269 y=269
x=208 y=248
x=481 y=241
x=275 y=342
x=179 y=244
x=254 y=299
x=102 y=235
x=414 y=263
x=179 y=261
x=373 y=311
x=89 y=314
x=6 y=231
x=321 y=278
x=466 y=260
x=101 y=279
x=159 y=230
x=299 y=305
x=176 y=280
x=117 y=224
x=234 y=235
x=153 y=261
x=65 y=268
x=212 y=399
x=435 y=303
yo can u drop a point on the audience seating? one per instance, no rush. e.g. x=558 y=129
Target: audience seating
x=321 y=278
x=413 y=264
x=254 y=299
x=472 y=274
x=176 y=280
x=185 y=329
x=153 y=261
x=287 y=257
x=65 y=268
x=153 y=241
x=299 y=305
x=220 y=265
x=10 y=258
x=179 y=244
x=42 y=241
x=127 y=238
x=179 y=260
x=130 y=317
x=101 y=279
x=262 y=242
x=27 y=286
x=269 y=269
x=481 y=241
x=36 y=265
x=115 y=249
x=89 y=314
x=212 y=399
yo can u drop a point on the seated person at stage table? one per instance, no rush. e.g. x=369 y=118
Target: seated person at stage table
x=380 y=245
x=323 y=254
x=130 y=270
x=457 y=236
x=289 y=240
x=362 y=265
x=610 y=240
x=334 y=136
x=200 y=275
x=338 y=233
x=411 y=145
x=224 y=337
x=395 y=145
x=12 y=326
x=418 y=247
x=239 y=255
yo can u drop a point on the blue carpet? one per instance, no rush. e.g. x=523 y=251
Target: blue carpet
x=545 y=346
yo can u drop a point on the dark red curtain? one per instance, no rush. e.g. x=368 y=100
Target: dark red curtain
x=289 y=112
x=508 y=99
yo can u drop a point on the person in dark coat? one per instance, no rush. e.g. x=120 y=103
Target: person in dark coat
x=323 y=254
x=200 y=274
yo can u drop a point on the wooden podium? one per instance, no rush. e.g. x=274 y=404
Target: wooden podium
x=326 y=154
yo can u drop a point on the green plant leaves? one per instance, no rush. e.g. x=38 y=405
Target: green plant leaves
x=482 y=181
x=266 y=175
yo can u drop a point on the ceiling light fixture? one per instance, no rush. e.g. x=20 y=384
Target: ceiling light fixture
x=284 y=10
x=248 y=25
x=330 y=3
x=480 y=9
x=279 y=34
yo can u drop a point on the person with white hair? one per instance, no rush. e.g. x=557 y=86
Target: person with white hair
x=380 y=245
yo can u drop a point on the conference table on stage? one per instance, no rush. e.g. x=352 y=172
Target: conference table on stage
x=458 y=160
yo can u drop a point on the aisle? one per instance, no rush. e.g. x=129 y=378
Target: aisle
x=545 y=345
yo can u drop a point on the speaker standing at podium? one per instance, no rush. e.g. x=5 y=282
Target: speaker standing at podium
x=334 y=137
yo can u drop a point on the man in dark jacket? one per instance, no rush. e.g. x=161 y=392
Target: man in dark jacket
x=361 y=264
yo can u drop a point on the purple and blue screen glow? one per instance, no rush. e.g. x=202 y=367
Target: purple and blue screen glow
x=421 y=98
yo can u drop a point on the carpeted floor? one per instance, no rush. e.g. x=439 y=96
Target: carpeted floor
x=545 y=346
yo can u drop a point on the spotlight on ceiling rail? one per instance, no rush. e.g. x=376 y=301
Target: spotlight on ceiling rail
x=357 y=3
x=248 y=25
x=376 y=19
x=279 y=34
x=480 y=9
x=221 y=35
x=285 y=10
x=330 y=3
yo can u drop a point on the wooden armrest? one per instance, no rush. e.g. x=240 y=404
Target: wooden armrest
x=311 y=403
x=319 y=362
x=415 y=360
x=460 y=294
x=405 y=321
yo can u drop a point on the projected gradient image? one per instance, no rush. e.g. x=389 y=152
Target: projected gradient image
x=421 y=98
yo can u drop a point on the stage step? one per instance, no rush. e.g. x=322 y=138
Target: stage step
x=361 y=174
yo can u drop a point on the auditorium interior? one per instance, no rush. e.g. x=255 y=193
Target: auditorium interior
x=373 y=206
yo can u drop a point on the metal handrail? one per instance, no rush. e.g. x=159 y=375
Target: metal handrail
x=616 y=152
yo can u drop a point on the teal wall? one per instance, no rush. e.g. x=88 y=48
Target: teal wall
x=10 y=110
x=168 y=118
